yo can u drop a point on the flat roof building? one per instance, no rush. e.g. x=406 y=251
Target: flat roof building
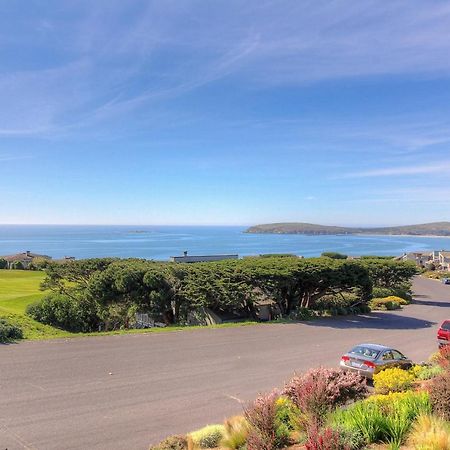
x=201 y=258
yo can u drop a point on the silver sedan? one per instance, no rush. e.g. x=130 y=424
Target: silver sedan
x=367 y=359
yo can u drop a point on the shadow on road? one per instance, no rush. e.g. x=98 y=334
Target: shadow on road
x=375 y=320
x=431 y=303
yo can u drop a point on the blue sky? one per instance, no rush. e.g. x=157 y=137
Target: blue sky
x=224 y=112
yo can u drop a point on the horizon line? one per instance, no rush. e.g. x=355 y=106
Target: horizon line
x=209 y=225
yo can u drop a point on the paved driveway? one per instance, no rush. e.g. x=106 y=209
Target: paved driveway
x=124 y=392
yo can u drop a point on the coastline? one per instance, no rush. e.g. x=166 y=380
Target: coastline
x=163 y=242
x=438 y=236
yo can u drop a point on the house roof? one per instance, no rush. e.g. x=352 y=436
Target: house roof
x=202 y=258
x=25 y=256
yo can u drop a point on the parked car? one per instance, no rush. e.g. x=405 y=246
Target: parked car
x=443 y=334
x=368 y=359
x=446 y=280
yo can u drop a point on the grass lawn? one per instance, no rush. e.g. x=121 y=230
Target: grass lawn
x=19 y=288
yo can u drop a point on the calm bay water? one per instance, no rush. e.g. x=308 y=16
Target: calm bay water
x=160 y=242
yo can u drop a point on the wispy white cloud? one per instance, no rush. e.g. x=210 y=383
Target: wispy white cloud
x=6 y=157
x=419 y=169
x=113 y=57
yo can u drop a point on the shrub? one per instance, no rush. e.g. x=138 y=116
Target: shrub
x=207 y=437
x=440 y=395
x=384 y=417
x=65 y=312
x=302 y=314
x=425 y=372
x=235 y=433
x=430 y=433
x=9 y=332
x=334 y=255
x=3 y=263
x=443 y=357
x=172 y=443
x=325 y=439
x=416 y=369
x=351 y=437
x=436 y=275
x=392 y=380
x=363 y=417
x=387 y=303
x=344 y=300
x=287 y=413
x=434 y=357
x=364 y=309
x=320 y=390
x=17 y=265
x=430 y=372
x=266 y=430
x=381 y=292
x=402 y=292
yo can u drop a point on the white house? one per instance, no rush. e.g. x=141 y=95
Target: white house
x=444 y=260
x=421 y=259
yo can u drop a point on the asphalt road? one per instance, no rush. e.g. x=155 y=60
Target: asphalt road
x=125 y=392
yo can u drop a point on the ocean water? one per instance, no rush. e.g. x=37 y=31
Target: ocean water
x=161 y=242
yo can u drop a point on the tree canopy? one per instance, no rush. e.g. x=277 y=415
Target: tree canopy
x=117 y=288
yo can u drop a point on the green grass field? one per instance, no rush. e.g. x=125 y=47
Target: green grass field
x=19 y=288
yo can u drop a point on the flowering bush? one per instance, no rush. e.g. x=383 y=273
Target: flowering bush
x=287 y=413
x=392 y=380
x=414 y=402
x=266 y=430
x=387 y=399
x=325 y=439
x=320 y=390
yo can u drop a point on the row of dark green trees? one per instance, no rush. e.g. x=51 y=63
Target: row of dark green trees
x=93 y=293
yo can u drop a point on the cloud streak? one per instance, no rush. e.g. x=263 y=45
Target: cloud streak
x=7 y=158
x=441 y=168
x=112 y=58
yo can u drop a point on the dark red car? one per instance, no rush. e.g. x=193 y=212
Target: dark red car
x=443 y=334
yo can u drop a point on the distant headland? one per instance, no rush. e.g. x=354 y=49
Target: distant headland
x=425 y=229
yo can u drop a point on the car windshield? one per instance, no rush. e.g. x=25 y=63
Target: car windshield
x=446 y=325
x=367 y=352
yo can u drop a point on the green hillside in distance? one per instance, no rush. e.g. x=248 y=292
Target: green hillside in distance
x=425 y=229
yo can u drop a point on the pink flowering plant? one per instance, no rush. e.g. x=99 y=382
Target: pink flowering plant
x=319 y=391
x=267 y=431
